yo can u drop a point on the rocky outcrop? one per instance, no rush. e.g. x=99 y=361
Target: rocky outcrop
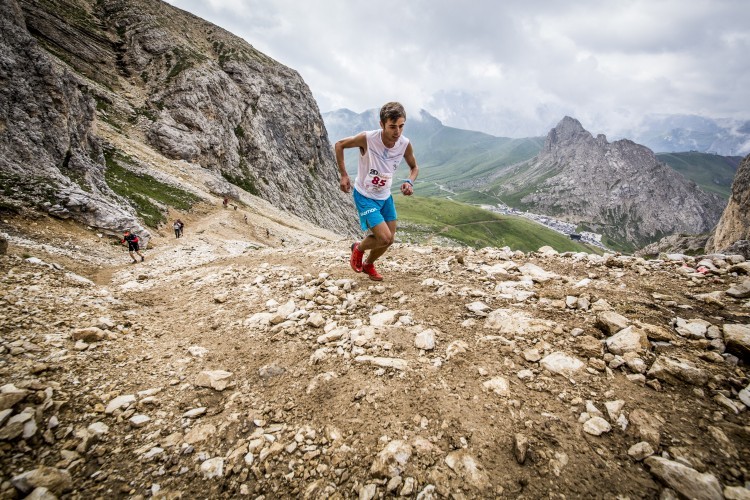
x=733 y=230
x=618 y=189
x=47 y=138
x=90 y=77
x=689 y=244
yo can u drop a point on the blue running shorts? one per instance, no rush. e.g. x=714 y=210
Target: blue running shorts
x=373 y=212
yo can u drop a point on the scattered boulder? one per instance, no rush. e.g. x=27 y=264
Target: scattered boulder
x=737 y=340
x=467 y=469
x=676 y=370
x=392 y=459
x=214 y=379
x=740 y=291
x=57 y=481
x=640 y=451
x=630 y=339
x=508 y=321
x=686 y=481
x=498 y=385
x=520 y=448
x=561 y=364
x=398 y=364
x=425 y=340
x=88 y=335
x=596 y=426
x=611 y=322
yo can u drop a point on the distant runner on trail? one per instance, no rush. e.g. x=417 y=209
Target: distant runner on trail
x=133 y=241
x=178 y=225
x=380 y=153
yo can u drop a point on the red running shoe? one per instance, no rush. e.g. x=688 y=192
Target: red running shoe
x=369 y=269
x=356 y=258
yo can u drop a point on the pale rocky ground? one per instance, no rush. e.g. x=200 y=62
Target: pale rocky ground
x=228 y=365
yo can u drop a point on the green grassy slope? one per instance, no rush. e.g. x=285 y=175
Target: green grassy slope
x=440 y=221
x=713 y=173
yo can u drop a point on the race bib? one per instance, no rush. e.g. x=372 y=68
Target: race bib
x=377 y=182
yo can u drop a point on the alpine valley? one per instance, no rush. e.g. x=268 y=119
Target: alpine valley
x=621 y=190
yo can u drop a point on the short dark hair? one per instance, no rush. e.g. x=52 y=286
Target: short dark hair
x=391 y=111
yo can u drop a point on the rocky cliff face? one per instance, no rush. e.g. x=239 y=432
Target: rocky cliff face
x=90 y=85
x=733 y=230
x=619 y=189
x=47 y=134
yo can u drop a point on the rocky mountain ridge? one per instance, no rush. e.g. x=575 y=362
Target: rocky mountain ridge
x=152 y=89
x=231 y=364
x=618 y=189
x=733 y=230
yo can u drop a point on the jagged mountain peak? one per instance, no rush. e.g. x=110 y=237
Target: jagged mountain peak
x=620 y=189
x=568 y=130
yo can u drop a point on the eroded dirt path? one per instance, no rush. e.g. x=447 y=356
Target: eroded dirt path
x=334 y=387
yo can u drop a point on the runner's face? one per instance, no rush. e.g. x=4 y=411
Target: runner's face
x=392 y=130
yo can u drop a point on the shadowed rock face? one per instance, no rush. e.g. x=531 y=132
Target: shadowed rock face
x=733 y=231
x=619 y=189
x=49 y=134
x=148 y=73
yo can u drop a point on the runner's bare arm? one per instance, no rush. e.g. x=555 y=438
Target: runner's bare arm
x=356 y=141
x=406 y=187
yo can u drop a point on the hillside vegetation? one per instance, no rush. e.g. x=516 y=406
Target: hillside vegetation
x=711 y=172
x=440 y=221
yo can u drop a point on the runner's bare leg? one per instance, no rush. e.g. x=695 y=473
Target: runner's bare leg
x=379 y=241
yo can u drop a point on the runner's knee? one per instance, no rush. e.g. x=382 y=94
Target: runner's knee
x=384 y=240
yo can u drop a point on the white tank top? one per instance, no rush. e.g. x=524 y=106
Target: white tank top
x=377 y=166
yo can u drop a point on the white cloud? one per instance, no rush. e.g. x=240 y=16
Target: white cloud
x=508 y=68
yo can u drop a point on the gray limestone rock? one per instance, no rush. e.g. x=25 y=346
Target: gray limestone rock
x=468 y=469
x=685 y=480
x=630 y=339
x=392 y=459
x=611 y=322
x=520 y=448
x=732 y=233
x=215 y=379
x=596 y=426
x=676 y=370
x=57 y=481
x=640 y=451
x=561 y=364
x=737 y=340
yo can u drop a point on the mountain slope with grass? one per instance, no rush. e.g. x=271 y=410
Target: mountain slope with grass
x=119 y=100
x=446 y=222
x=711 y=172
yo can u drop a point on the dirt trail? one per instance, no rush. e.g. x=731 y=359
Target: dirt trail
x=307 y=410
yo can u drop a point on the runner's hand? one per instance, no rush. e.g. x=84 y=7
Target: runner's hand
x=345 y=184
x=407 y=189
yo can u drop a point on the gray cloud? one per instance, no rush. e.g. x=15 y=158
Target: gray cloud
x=509 y=68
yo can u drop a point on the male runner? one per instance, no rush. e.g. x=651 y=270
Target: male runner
x=133 y=245
x=380 y=153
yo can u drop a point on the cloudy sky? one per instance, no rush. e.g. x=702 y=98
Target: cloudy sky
x=512 y=67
